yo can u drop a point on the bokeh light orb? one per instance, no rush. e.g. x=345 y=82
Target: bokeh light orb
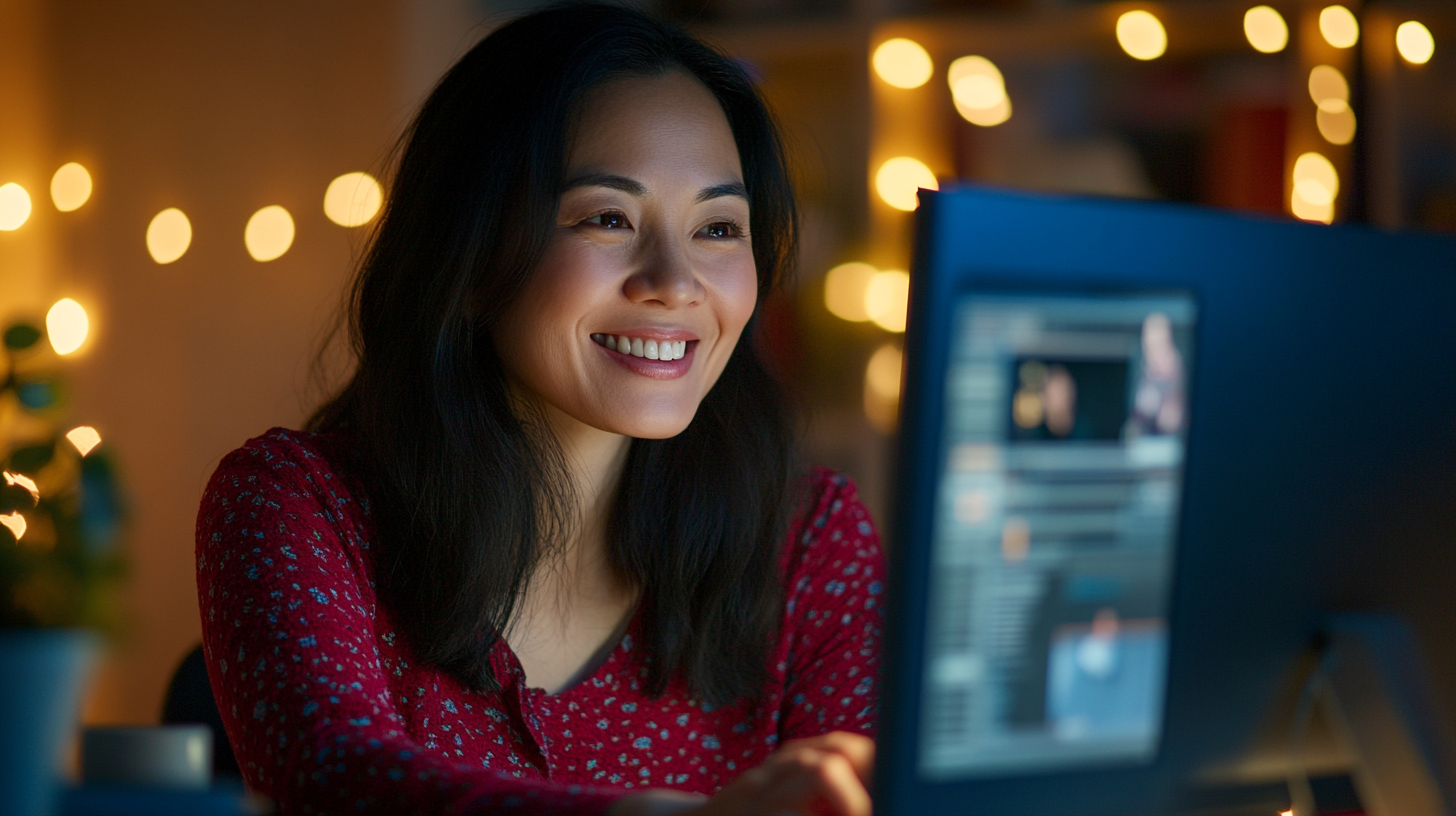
x=887 y=299
x=1414 y=42
x=979 y=91
x=14 y=206
x=844 y=291
x=269 y=233
x=1141 y=35
x=900 y=179
x=903 y=63
x=353 y=199
x=67 y=326
x=1266 y=30
x=169 y=235
x=1336 y=122
x=1338 y=26
x=1327 y=84
x=70 y=187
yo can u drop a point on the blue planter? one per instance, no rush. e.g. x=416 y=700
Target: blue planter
x=42 y=675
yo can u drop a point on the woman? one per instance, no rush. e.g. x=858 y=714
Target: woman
x=547 y=550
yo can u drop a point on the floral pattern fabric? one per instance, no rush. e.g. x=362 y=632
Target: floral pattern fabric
x=329 y=712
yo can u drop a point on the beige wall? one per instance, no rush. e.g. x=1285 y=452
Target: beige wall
x=25 y=254
x=219 y=109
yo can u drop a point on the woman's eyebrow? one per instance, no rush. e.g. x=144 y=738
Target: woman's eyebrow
x=636 y=189
x=630 y=186
x=732 y=188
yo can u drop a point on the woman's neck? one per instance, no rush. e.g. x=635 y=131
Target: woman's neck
x=576 y=603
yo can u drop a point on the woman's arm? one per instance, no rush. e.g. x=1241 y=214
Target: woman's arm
x=833 y=619
x=289 y=640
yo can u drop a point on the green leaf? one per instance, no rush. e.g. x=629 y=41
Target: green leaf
x=30 y=460
x=37 y=395
x=21 y=336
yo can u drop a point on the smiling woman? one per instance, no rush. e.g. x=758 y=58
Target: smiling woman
x=550 y=548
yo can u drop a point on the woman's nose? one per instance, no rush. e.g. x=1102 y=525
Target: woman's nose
x=665 y=276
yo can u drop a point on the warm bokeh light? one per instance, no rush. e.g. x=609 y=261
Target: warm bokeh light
x=844 y=291
x=1266 y=29
x=25 y=482
x=14 y=206
x=979 y=91
x=1327 y=84
x=1415 y=43
x=903 y=63
x=15 y=523
x=882 y=387
x=1141 y=35
x=169 y=235
x=1339 y=26
x=887 y=297
x=67 y=326
x=353 y=199
x=84 y=438
x=269 y=233
x=1336 y=122
x=1316 y=185
x=70 y=187
x=900 y=179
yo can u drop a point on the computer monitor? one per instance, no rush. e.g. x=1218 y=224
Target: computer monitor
x=1144 y=450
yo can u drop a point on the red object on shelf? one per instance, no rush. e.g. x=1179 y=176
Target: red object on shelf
x=1245 y=164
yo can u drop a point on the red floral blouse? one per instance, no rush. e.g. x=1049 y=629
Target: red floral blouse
x=329 y=711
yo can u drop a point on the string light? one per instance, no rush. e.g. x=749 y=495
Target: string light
x=1339 y=27
x=70 y=187
x=269 y=233
x=900 y=179
x=903 y=63
x=14 y=206
x=67 y=326
x=979 y=91
x=353 y=199
x=844 y=291
x=1141 y=35
x=882 y=387
x=1415 y=43
x=1266 y=29
x=887 y=297
x=168 y=235
x=85 y=439
x=1316 y=185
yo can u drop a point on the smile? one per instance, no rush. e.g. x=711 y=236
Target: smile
x=638 y=347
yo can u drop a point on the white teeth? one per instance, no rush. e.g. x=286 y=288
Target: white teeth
x=646 y=349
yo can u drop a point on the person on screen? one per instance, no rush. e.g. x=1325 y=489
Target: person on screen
x=548 y=550
x=1158 y=405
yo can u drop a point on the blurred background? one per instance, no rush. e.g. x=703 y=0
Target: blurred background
x=180 y=190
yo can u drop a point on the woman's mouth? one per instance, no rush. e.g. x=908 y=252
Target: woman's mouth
x=646 y=349
x=649 y=357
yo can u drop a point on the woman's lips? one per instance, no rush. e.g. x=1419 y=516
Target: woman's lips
x=642 y=365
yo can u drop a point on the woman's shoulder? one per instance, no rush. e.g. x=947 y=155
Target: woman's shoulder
x=293 y=473
x=834 y=540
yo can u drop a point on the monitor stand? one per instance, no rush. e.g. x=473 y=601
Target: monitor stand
x=1378 y=696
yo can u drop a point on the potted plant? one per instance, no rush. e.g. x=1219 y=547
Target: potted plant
x=59 y=523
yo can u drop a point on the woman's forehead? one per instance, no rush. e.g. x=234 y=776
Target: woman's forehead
x=654 y=127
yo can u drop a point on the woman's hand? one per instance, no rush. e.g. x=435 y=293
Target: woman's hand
x=819 y=776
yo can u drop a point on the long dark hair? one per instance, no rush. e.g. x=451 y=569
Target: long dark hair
x=469 y=495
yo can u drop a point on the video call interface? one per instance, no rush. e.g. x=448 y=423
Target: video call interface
x=1054 y=531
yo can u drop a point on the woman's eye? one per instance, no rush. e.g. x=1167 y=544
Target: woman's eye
x=722 y=229
x=610 y=220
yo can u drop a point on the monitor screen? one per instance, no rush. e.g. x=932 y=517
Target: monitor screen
x=1054 y=527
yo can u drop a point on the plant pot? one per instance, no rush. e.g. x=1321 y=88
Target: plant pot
x=42 y=675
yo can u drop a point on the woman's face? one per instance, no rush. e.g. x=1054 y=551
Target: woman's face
x=648 y=279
